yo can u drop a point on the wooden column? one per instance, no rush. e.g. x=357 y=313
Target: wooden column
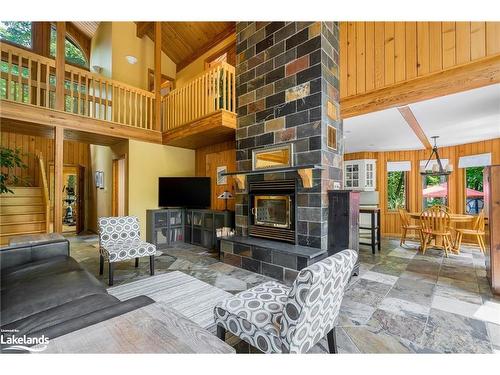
x=58 y=178
x=60 y=55
x=157 y=125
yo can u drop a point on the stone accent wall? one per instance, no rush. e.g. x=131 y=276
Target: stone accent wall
x=287 y=85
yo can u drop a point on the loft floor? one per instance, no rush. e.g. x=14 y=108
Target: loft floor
x=403 y=301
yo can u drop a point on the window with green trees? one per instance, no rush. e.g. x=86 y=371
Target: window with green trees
x=434 y=191
x=396 y=190
x=17 y=33
x=474 y=200
x=74 y=54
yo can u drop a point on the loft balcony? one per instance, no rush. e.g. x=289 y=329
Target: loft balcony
x=201 y=112
x=196 y=114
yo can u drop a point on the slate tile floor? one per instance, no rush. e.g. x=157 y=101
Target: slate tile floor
x=402 y=301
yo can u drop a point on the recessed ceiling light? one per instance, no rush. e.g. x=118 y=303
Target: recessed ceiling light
x=131 y=59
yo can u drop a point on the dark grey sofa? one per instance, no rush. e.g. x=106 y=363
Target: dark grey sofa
x=45 y=291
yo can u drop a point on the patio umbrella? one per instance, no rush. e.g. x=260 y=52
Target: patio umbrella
x=441 y=191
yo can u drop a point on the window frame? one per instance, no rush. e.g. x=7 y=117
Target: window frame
x=464 y=187
x=73 y=41
x=406 y=179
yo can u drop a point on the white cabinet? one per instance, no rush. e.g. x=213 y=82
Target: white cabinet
x=360 y=174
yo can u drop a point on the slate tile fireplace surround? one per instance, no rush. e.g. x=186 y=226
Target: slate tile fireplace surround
x=287 y=87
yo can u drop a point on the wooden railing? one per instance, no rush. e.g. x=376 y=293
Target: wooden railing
x=45 y=189
x=30 y=78
x=211 y=91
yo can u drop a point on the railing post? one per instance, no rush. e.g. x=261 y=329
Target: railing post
x=60 y=69
x=58 y=178
x=157 y=57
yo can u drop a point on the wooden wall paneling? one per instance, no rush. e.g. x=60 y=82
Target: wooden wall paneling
x=435 y=47
x=423 y=48
x=399 y=51
x=477 y=40
x=389 y=53
x=369 y=56
x=448 y=44
x=492 y=38
x=379 y=54
x=411 y=50
x=463 y=47
x=351 y=58
x=360 y=57
x=343 y=58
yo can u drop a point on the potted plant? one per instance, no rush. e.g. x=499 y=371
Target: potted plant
x=10 y=159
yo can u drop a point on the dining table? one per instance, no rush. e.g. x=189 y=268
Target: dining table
x=454 y=218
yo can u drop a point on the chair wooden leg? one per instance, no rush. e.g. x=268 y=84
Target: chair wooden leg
x=221 y=332
x=110 y=275
x=332 y=341
x=101 y=264
x=403 y=237
x=425 y=240
x=152 y=265
x=136 y=262
x=458 y=241
x=479 y=242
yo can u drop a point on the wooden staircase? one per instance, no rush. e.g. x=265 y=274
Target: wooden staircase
x=27 y=211
x=23 y=212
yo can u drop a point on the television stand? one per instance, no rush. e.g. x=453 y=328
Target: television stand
x=167 y=226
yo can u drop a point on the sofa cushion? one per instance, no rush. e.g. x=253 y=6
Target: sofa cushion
x=29 y=297
x=61 y=313
x=41 y=268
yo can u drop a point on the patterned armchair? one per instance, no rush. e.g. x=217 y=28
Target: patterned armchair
x=277 y=319
x=119 y=240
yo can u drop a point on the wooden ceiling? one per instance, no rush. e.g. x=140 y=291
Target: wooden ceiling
x=184 y=42
x=89 y=28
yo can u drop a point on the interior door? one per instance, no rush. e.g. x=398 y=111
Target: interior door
x=119 y=186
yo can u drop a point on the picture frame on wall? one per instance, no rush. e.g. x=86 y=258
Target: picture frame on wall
x=221 y=180
x=99 y=179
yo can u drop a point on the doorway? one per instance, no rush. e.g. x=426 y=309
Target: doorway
x=73 y=197
x=119 y=186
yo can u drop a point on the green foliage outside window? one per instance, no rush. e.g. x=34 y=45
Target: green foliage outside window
x=396 y=190
x=16 y=32
x=73 y=53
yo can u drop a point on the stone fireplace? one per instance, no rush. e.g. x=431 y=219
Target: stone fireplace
x=287 y=85
x=287 y=88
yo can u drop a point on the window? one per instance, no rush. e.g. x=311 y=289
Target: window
x=396 y=189
x=16 y=32
x=352 y=175
x=474 y=190
x=74 y=54
x=434 y=191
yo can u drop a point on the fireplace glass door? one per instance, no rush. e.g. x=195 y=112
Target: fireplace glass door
x=272 y=210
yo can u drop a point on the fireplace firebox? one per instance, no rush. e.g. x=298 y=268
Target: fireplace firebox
x=272 y=210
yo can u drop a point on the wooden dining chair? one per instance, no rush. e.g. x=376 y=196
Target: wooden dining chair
x=476 y=231
x=439 y=207
x=436 y=223
x=406 y=225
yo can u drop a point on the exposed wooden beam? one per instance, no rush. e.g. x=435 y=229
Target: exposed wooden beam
x=142 y=28
x=409 y=117
x=25 y=113
x=465 y=77
x=60 y=61
x=58 y=179
x=219 y=38
x=157 y=76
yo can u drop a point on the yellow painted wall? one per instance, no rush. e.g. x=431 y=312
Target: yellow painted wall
x=147 y=162
x=198 y=65
x=100 y=199
x=125 y=42
x=101 y=49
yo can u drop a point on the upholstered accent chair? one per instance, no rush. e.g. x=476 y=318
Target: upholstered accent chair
x=275 y=318
x=120 y=240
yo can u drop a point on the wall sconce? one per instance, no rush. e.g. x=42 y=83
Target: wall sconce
x=97 y=69
x=132 y=60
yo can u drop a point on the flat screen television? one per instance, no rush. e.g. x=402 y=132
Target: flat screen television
x=189 y=192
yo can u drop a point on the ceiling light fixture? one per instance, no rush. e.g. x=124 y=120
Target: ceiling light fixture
x=437 y=168
x=131 y=59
